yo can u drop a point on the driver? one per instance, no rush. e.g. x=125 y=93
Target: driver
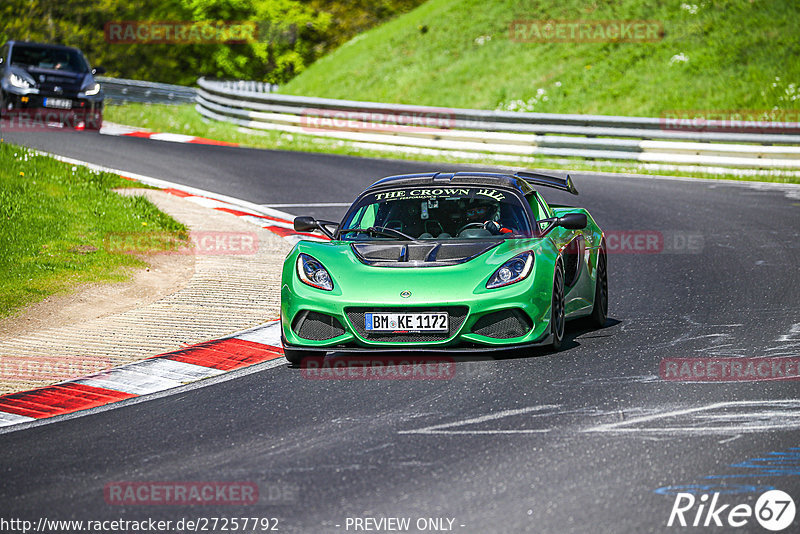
x=486 y=213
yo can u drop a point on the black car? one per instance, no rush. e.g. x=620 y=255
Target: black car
x=49 y=83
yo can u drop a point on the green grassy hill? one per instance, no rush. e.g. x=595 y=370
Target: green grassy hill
x=714 y=55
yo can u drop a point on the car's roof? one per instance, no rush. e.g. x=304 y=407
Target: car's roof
x=459 y=178
x=520 y=181
x=40 y=45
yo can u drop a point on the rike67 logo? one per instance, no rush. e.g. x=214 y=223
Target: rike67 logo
x=774 y=510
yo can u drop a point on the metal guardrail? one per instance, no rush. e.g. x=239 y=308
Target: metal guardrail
x=246 y=86
x=120 y=90
x=500 y=132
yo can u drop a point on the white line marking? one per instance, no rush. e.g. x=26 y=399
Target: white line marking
x=128 y=381
x=110 y=128
x=268 y=334
x=207 y=202
x=173 y=138
x=438 y=429
x=7 y=419
x=261 y=222
x=173 y=370
x=730 y=422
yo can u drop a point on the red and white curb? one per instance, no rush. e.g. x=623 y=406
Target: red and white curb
x=159 y=373
x=281 y=225
x=127 y=131
x=278 y=222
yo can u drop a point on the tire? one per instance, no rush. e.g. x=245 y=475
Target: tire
x=557 y=315
x=295 y=357
x=95 y=125
x=600 y=308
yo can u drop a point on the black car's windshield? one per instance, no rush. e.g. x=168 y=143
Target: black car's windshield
x=48 y=58
x=437 y=213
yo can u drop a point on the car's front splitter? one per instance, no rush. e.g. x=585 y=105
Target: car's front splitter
x=546 y=339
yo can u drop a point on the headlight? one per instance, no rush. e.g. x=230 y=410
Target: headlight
x=92 y=90
x=514 y=270
x=19 y=81
x=311 y=272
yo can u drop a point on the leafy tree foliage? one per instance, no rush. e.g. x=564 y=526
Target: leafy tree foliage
x=291 y=34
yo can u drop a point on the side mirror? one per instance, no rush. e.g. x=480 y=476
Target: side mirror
x=305 y=224
x=99 y=70
x=309 y=224
x=572 y=221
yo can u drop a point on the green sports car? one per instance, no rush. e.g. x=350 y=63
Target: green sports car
x=464 y=261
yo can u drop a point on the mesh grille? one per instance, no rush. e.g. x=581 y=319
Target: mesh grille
x=503 y=324
x=317 y=326
x=457 y=315
x=68 y=85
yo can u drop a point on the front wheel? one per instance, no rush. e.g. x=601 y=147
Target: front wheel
x=557 y=315
x=600 y=308
x=295 y=357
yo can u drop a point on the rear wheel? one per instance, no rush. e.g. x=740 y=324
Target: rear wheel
x=557 y=316
x=600 y=308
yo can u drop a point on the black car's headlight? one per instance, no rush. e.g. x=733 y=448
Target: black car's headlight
x=18 y=81
x=311 y=272
x=514 y=270
x=92 y=89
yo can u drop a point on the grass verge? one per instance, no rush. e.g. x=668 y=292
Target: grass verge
x=716 y=55
x=55 y=220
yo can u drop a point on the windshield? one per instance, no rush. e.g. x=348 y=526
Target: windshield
x=437 y=213
x=48 y=58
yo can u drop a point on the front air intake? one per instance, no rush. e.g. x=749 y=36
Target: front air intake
x=503 y=324
x=317 y=326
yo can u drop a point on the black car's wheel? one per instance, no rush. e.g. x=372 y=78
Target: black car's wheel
x=295 y=356
x=557 y=316
x=600 y=309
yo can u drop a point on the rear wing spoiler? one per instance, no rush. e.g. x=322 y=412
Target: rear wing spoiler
x=564 y=184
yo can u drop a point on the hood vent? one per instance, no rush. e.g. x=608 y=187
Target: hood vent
x=420 y=254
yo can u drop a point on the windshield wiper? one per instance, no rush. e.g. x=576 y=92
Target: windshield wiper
x=380 y=230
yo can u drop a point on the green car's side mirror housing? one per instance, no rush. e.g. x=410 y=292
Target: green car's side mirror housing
x=572 y=221
x=305 y=224
x=309 y=224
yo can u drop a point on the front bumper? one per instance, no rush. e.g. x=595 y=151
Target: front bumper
x=26 y=108
x=504 y=318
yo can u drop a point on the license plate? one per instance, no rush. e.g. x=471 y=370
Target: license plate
x=407 y=322
x=60 y=103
